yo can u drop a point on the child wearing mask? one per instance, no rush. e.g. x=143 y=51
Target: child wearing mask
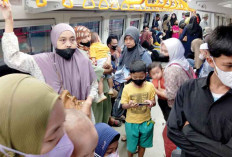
x=175 y=30
x=107 y=141
x=138 y=98
x=156 y=73
x=99 y=54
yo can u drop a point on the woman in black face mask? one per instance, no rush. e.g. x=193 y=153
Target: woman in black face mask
x=63 y=69
x=101 y=110
x=131 y=52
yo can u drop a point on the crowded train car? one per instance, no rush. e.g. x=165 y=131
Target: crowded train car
x=110 y=78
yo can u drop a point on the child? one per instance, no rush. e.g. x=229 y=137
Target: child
x=156 y=73
x=175 y=30
x=138 y=97
x=99 y=55
x=107 y=141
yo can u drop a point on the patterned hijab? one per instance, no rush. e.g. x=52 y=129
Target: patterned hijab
x=26 y=104
x=81 y=32
x=75 y=75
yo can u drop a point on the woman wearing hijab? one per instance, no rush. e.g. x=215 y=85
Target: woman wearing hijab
x=28 y=117
x=131 y=52
x=190 y=32
x=167 y=25
x=176 y=73
x=102 y=110
x=64 y=68
x=147 y=43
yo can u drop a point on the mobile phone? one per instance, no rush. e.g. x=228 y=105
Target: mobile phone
x=143 y=104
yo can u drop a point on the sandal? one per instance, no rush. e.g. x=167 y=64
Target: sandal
x=122 y=118
x=115 y=123
x=123 y=138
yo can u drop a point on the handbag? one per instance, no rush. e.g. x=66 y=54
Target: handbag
x=71 y=102
x=185 y=39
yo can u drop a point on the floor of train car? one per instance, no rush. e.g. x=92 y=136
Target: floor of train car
x=158 y=145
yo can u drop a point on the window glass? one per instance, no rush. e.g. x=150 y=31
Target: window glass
x=146 y=19
x=135 y=23
x=94 y=26
x=32 y=40
x=116 y=27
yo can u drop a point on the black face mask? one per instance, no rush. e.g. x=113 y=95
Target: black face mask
x=65 y=53
x=86 y=44
x=139 y=82
x=114 y=47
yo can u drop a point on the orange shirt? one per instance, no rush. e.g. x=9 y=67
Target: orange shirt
x=155 y=83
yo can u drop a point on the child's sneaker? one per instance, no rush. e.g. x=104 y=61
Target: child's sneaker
x=111 y=91
x=101 y=98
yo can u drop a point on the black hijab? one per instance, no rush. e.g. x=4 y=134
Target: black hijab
x=173 y=20
x=131 y=54
x=193 y=26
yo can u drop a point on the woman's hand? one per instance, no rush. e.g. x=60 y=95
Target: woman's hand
x=6 y=10
x=7 y=15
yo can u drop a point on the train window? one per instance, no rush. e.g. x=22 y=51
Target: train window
x=116 y=27
x=146 y=19
x=135 y=23
x=94 y=26
x=32 y=40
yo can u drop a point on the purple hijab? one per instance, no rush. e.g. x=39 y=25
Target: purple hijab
x=76 y=74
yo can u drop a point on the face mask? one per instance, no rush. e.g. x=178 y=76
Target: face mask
x=139 y=82
x=65 y=53
x=86 y=44
x=115 y=154
x=114 y=47
x=225 y=77
x=63 y=149
x=201 y=57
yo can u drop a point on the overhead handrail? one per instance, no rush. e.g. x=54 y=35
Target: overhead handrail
x=185 y=4
x=88 y=7
x=38 y=3
x=112 y=4
x=179 y=6
x=67 y=6
x=128 y=6
x=134 y=1
x=100 y=5
x=168 y=5
x=175 y=4
x=156 y=4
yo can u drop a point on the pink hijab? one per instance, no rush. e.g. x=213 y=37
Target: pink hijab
x=76 y=74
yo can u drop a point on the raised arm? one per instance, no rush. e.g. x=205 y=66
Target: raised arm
x=12 y=56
